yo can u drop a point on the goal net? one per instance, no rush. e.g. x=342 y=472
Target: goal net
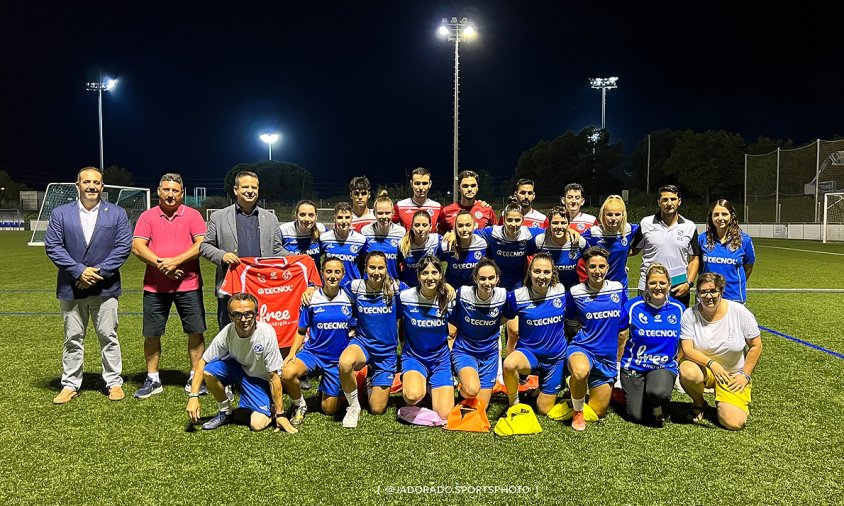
x=134 y=200
x=833 y=217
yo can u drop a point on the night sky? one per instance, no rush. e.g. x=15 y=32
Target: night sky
x=366 y=87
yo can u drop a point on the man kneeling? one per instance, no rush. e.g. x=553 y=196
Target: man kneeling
x=244 y=353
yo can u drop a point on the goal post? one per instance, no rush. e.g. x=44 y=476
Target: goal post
x=133 y=199
x=833 y=214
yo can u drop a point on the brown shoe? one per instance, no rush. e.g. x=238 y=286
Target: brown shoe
x=115 y=393
x=65 y=396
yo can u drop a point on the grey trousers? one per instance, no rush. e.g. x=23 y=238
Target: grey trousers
x=76 y=313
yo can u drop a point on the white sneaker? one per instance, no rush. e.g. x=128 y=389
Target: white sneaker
x=229 y=393
x=350 y=421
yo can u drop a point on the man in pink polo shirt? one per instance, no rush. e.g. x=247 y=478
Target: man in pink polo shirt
x=167 y=239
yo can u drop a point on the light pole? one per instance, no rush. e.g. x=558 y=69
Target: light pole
x=99 y=87
x=603 y=84
x=457 y=31
x=270 y=139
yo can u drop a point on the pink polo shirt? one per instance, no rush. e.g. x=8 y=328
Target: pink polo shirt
x=169 y=237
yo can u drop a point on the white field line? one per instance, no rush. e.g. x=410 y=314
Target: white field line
x=803 y=250
x=798 y=290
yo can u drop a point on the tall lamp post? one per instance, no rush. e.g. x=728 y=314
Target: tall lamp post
x=457 y=31
x=270 y=139
x=603 y=84
x=99 y=87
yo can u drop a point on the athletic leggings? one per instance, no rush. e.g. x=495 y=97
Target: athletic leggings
x=647 y=391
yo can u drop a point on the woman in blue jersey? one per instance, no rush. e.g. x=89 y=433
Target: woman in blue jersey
x=329 y=319
x=615 y=235
x=376 y=337
x=649 y=360
x=564 y=246
x=462 y=250
x=343 y=242
x=510 y=245
x=727 y=250
x=384 y=235
x=416 y=243
x=301 y=236
x=541 y=345
x=593 y=352
x=425 y=357
x=477 y=316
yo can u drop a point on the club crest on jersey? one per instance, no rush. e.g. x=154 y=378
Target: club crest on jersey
x=430 y=212
x=346 y=310
x=261 y=277
x=557 y=303
x=478 y=215
x=354 y=248
x=258 y=348
x=624 y=241
x=672 y=319
x=478 y=255
x=615 y=298
x=643 y=318
x=581 y=226
x=494 y=312
x=286 y=276
x=573 y=254
x=394 y=242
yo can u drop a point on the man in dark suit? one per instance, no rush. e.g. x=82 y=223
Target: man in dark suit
x=89 y=240
x=241 y=230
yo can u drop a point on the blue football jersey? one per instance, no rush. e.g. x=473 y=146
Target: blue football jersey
x=600 y=314
x=728 y=263
x=328 y=322
x=386 y=243
x=459 y=266
x=619 y=247
x=541 y=321
x=425 y=326
x=654 y=335
x=408 y=271
x=478 y=321
x=298 y=243
x=348 y=250
x=510 y=254
x=565 y=257
x=376 y=321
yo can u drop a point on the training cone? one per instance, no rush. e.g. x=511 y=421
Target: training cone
x=468 y=415
x=519 y=420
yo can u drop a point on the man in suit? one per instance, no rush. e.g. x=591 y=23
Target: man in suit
x=241 y=230
x=89 y=240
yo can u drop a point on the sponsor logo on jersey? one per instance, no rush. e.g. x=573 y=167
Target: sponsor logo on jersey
x=275 y=289
x=347 y=258
x=720 y=260
x=642 y=355
x=470 y=307
x=598 y=315
x=467 y=265
x=657 y=318
x=426 y=323
x=374 y=309
x=544 y=321
x=657 y=333
x=258 y=348
x=672 y=319
x=643 y=318
x=267 y=316
x=615 y=298
x=319 y=310
x=332 y=325
x=480 y=323
x=274 y=275
x=565 y=268
x=557 y=303
x=509 y=254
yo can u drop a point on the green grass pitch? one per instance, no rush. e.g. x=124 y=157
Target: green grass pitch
x=92 y=451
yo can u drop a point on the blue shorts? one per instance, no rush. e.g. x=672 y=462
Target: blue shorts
x=437 y=372
x=383 y=367
x=330 y=383
x=254 y=392
x=603 y=370
x=551 y=372
x=486 y=367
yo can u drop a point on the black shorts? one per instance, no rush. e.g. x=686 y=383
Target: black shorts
x=189 y=304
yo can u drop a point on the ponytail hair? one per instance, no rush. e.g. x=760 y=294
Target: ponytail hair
x=407 y=240
x=455 y=246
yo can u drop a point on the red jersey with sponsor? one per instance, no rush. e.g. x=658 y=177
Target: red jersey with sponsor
x=404 y=210
x=358 y=222
x=484 y=216
x=582 y=222
x=278 y=284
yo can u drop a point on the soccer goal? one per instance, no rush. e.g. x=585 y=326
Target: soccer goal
x=134 y=200
x=833 y=217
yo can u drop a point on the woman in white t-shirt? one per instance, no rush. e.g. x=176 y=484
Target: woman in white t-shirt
x=721 y=344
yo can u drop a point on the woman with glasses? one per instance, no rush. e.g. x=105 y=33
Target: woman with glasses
x=721 y=345
x=727 y=250
x=329 y=320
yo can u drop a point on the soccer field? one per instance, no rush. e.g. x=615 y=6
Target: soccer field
x=93 y=451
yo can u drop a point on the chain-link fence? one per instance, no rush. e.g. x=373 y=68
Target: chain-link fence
x=788 y=185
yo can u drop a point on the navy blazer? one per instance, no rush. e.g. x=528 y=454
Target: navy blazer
x=109 y=248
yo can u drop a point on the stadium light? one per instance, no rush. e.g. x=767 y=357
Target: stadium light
x=604 y=84
x=107 y=85
x=457 y=31
x=270 y=139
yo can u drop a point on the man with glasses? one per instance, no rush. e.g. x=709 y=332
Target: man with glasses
x=245 y=354
x=359 y=192
x=482 y=213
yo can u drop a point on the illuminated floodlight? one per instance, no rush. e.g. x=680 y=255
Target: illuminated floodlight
x=270 y=139
x=604 y=84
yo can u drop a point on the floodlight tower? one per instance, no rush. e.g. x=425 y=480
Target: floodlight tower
x=603 y=84
x=107 y=85
x=457 y=31
x=270 y=139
